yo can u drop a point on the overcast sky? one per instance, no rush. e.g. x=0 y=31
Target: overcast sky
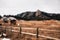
x=18 y=6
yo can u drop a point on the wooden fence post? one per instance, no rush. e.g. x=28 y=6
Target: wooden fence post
x=37 y=33
x=20 y=31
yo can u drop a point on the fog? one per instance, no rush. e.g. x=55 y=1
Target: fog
x=14 y=7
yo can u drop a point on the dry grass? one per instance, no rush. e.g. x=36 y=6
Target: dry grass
x=46 y=24
x=51 y=24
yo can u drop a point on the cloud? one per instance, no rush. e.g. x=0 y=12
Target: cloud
x=18 y=6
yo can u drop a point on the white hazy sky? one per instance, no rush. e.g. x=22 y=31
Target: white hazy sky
x=18 y=6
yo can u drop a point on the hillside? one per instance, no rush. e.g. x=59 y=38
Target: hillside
x=37 y=15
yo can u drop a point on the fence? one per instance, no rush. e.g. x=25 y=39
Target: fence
x=37 y=32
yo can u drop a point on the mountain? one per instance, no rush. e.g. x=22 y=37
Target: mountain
x=37 y=15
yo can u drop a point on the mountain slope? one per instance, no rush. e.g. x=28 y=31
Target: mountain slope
x=38 y=15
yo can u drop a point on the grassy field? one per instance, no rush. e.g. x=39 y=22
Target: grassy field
x=48 y=28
